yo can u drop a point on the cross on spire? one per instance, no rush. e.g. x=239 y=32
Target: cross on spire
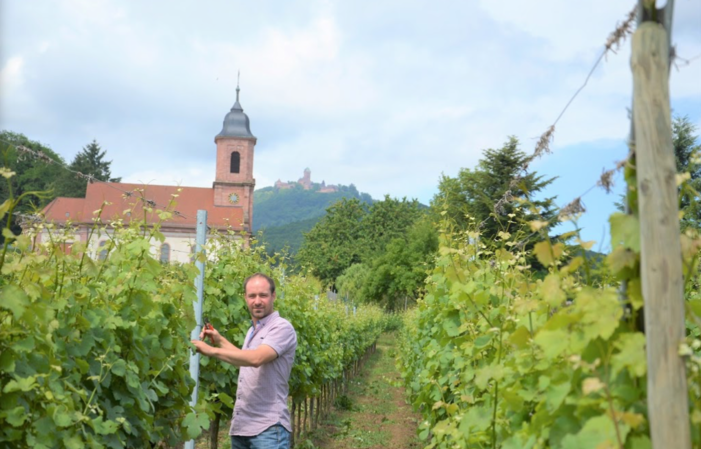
x=238 y=81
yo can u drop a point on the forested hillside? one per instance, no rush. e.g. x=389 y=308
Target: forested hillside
x=285 y=215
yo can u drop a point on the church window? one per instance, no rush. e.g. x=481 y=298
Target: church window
x=165 y=253
x=235 y=162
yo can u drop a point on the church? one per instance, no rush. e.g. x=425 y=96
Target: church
x=229 y=202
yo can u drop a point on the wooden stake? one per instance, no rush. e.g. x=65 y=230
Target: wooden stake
x=661 y=259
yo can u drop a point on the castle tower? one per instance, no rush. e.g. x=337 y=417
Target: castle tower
x=234 y=183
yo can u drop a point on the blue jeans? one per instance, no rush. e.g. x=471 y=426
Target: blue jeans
x=274 y=437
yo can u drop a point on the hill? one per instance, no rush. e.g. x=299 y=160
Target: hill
x=284 y=215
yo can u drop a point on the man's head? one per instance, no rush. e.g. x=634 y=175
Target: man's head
x=259 y=291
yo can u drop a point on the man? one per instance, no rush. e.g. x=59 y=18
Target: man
x=261 y=419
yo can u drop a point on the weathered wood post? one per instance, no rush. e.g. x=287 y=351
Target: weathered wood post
x=661 y=259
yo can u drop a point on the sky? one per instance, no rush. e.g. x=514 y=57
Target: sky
x=388 y=95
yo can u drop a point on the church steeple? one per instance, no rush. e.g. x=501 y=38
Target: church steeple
x=234 y=183
x=236 y=123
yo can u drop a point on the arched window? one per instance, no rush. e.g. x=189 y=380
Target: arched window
x=235 y=162
x=102 y=255
x=165 y=253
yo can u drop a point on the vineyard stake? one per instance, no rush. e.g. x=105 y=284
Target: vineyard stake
x=199 y=285
x=661 y=268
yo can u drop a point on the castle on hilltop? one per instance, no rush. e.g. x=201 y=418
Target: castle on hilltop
x=307 y=184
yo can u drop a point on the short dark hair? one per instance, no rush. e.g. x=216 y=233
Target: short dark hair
x=270 y=280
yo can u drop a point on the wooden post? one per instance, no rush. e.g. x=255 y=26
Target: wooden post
x=661 y=259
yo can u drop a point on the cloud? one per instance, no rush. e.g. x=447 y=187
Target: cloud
x=11 y=76
x=384 y=94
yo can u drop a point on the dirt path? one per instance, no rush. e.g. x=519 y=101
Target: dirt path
x=377 y=415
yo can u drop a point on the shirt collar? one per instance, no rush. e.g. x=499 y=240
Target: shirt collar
x=265 y=320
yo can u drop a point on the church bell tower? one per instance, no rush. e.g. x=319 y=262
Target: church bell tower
x=234 y=183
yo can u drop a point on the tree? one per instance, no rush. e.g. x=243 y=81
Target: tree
x=350 y=233
x=89 y=161
x=475 y=193
x=32 y=174
x=350 y=284
x=398 y=274
x=332 y=244
x=387 y=220
x=686 y=152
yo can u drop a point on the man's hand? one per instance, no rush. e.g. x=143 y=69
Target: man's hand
x=203 y=348
x=214 y=336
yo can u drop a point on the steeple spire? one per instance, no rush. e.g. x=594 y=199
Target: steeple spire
x=238 y=81
x=236 y=123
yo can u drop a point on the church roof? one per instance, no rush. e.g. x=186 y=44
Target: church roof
x=188 y=201
x=236 y=123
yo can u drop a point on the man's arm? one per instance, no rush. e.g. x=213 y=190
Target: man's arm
x=229 y=353
x=254 y=357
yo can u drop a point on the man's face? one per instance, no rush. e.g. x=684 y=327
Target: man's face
x=258 y=298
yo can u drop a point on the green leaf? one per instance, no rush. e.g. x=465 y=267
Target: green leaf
x=62 y=417
x=483 y=340
x=4 y=207
x=73 y=442
x=14 y=299
x=640 y=442
x=543 y=252
x=192 y=424
x=119 y=367
x=21 y=384
x=597 y=431
x=226 y=400
x=477 y=418
x=25 y=345
x=7 y=362
x=15 y=416
x=484 y=375
x=104 y=427
x=556 y=394
x=625 y=231
x=520 y=337
x=553 y=342
x=551 y=292
x=631 y=355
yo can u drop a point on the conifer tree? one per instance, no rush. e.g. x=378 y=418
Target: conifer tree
x=475 y=193
x=89 y=161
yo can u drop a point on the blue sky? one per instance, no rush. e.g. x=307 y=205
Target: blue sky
x=386 y=94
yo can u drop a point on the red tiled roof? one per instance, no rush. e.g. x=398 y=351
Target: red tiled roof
x=189 y=200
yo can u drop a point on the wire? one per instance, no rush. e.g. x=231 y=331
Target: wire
x=39 y=155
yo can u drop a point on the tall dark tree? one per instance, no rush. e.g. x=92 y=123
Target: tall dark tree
x=687 y=151
x=89 y=161
x=31 y=174
x=475 y=193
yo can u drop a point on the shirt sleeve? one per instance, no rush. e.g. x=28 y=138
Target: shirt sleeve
x=282 y=338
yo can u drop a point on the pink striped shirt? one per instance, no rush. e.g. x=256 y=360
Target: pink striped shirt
x=261 y=396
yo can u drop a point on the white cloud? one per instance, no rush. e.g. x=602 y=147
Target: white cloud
x=385 y=94
x=11 y=74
